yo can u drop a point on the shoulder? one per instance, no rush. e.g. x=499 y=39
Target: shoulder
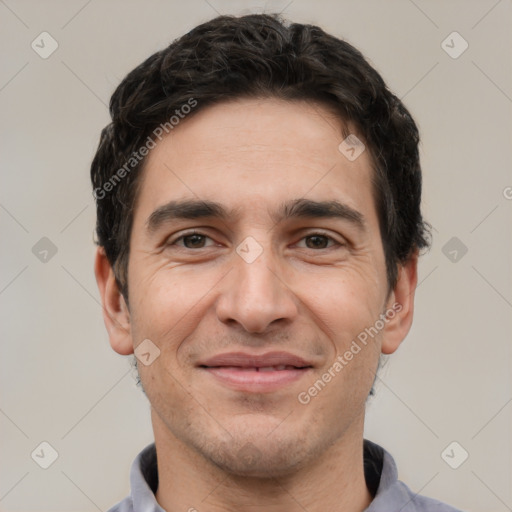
x=391 y=493
x=416 y=503
x=123 y=506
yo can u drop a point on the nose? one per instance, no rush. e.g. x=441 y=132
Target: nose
x=255 y=296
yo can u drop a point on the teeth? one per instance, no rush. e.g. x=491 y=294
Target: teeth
x=274 y=368
x=278 y=367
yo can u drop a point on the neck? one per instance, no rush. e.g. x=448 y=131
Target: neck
x=189 y=482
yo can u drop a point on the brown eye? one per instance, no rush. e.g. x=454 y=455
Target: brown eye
x=317 y=241
x=194 y=241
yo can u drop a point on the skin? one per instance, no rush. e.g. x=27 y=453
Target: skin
x=305 y=295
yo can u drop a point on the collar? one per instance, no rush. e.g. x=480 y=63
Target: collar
x=379 y=470
x=380 y=473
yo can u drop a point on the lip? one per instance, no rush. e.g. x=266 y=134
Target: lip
x=244 y=360
x=252 y=373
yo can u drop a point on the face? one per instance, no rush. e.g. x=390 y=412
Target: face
x=256 y=264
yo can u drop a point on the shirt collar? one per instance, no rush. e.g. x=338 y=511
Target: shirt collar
x=144 y=481
x=379 y=470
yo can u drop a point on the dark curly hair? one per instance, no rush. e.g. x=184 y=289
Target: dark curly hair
x=258 y=55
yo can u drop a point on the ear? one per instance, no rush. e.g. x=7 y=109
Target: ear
x=115 y=311
x=400 y=306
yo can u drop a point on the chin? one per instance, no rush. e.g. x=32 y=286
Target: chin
x=258 y=459
x=260 y=449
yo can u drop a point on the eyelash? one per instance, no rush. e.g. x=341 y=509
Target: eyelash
x=316 y=233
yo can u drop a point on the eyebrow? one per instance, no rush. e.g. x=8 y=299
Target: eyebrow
x=297 y=208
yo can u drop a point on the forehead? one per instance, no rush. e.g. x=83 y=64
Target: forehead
x=251 y=153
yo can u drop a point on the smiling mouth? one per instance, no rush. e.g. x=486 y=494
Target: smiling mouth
x=256 y=379
x=256 y=373
x=276 y=368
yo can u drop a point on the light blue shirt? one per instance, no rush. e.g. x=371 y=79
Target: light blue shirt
x=390 y=494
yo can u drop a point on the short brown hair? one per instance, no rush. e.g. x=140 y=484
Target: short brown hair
x=259 y=55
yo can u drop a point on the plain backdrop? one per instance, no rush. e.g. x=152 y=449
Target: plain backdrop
x=60 y=381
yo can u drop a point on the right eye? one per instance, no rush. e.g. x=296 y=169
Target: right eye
x=193 y=240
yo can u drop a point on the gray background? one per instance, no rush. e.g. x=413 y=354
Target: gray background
x=60 y=381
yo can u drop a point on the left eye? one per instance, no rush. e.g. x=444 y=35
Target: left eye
x=319 y=241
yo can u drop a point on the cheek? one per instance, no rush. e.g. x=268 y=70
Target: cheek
x=168 y=300
x=348 y=377
x=167 y=311
x=344 y=304
x=343 y=309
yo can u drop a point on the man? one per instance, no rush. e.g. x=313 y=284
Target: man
x=258 y=199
